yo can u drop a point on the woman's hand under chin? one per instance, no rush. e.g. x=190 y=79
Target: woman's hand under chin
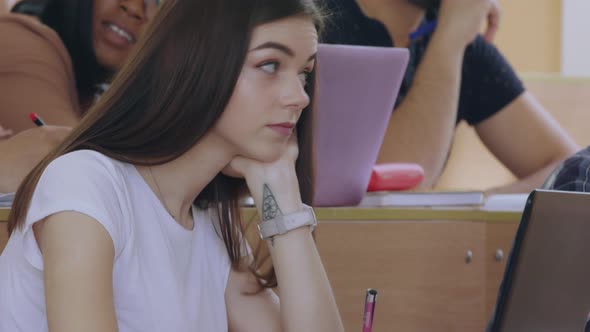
x=250 y=169
x=276 y=181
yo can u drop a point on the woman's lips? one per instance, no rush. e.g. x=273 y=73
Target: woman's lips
x=117 y=35
x=285 y=129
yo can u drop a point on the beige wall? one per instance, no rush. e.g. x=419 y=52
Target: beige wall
x=5 y=5
x=530 y=34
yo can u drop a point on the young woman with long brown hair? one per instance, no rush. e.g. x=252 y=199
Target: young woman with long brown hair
x=132 y=224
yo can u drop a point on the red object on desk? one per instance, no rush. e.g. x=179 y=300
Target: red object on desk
x=395 y=176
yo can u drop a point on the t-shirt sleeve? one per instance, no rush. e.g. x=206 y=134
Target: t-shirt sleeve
x=348 y=25
x=36 y=75
x=488 y=82
x=84 y=182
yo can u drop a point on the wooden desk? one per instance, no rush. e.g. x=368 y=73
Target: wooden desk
x=435 y=270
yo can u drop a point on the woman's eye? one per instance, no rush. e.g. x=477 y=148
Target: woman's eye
x=304 y=77
x=270 y=67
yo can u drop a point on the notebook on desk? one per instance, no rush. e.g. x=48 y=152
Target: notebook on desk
x=424 y=199
x=546 y=284
x=6 y=200
x=357 y=90
x=447 y=199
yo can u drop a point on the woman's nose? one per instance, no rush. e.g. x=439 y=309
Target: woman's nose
x=294 y=94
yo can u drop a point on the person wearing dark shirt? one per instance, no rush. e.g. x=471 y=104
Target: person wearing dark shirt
x=454 y=74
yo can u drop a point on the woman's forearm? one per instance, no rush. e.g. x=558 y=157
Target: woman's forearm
x=307 y=301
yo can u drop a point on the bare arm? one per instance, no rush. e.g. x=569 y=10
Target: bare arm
x=307 y=302
x=78 y=256
x=249 y=308
x=525 y=138
x=35 y=76
x=422 y=127
x=20 y=153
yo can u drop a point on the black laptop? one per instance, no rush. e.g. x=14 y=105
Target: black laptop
x=546 y=285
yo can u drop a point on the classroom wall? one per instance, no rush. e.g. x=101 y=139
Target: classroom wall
x=575 y=46
x=6 y=4
x=530 y=34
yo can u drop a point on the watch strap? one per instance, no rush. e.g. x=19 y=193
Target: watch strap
x=285 y=223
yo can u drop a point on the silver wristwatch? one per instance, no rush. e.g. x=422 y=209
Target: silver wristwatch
x=285 y=223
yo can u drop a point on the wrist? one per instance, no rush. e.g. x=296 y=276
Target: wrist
x=283 y=224
x=446 y=49
x=275 y=188
x=449 y=40
x=275 y=177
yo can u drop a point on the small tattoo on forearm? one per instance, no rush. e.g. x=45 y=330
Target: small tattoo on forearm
x=270 y=207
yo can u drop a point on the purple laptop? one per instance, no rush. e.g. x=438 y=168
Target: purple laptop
x=357 y=89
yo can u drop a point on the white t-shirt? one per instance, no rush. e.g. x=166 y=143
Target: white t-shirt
x=165 y=277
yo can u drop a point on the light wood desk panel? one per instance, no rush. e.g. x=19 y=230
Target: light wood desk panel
x=499 y=239
x=419 y=269
x=416 y=259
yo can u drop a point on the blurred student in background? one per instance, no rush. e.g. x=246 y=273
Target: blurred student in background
x=56 y=56
x=454 y=74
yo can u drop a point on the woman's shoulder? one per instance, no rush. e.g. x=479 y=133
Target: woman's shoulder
x=23 y=33
x=24 y=24
x=88 y=166
x=85 y=178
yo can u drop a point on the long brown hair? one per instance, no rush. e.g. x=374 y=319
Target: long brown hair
x=172 y=91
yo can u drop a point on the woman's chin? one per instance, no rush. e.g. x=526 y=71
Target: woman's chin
x=268 y=155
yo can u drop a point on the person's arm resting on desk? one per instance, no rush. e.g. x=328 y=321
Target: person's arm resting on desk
x=488 y=95
x=20 y=153
x=422 y=127
x=527 y=140
x=35 y=76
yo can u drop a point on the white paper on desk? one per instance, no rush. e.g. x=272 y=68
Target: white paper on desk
x=6 y=200
x=424 y=199
x=506 y=202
